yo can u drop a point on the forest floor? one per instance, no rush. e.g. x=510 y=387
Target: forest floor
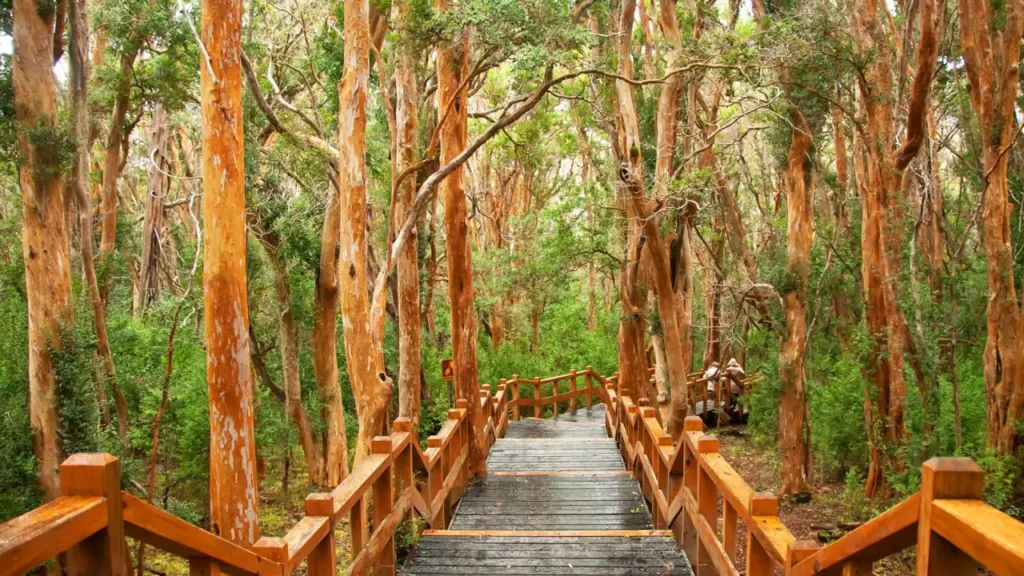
x=832 y=510
x=279 y=511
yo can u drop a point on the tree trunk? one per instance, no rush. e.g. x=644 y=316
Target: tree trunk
x=452 y=63
x=409 y=326
x=288 y=345
x=325 y=345
x=112 y=167
x=153 y=211
x=364 y=356
x=233 y=486
x=45 y=246
x=990 y=49
x=799 y=232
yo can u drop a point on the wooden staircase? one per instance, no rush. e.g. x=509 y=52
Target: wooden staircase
x=556 y=500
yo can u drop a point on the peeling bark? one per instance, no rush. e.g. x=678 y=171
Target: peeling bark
x=233 y=486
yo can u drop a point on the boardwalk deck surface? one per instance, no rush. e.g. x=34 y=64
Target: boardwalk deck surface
x=556 y=500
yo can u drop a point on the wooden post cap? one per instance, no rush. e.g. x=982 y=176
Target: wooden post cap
x=434 y=442
x=454 y=414
x=952 y=478
x=589 y=369
x=503 y=381
x=693 y=424
x=90 y=475
x=403 y=424
x=273 y=549
x=707 y=444
x=515 y=376
x=632 y=409
x=380 y=445
x=320 y=504
x=647 y=412
x=763 y=504
x=665 y=440
x=800 y=550
x=462 y=403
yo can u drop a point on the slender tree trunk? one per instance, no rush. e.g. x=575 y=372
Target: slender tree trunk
x=288 y=345
x=364 y=356
x=45 y=246
x=452 y=63
x=153 y=211
x=233 y=486
x=112 y=167
x=325 y=345
x=800 y=230
x=409 y=326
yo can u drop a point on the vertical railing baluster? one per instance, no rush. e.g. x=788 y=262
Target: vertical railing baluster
x=707 y=502
x=515 y=397
x=357 y=526
x=383 y=503
x=537 y=411
x=572 y=389
x=690 y=466
x=589 y=379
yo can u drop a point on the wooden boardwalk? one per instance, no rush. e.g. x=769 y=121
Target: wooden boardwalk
x=556 y=500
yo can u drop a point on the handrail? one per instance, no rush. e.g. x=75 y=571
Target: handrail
x=90 y=520
x=953 y=529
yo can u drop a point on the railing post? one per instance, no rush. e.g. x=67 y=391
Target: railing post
x=590 y=383
x=102 y=553
x=537 y=408
x=383 y=504
x=798 y=552
x=729 y=529
x=321 y=561
x=435 y=482
x=690 y=466
x=941 y=479
x=403 y=462
x=554 y=398
x=707 y=502
x=203 y=567
x=463 y=440
x=357 y=526
x=515 y=397
x=759 y=562
x=273 y=549
x=573 y=404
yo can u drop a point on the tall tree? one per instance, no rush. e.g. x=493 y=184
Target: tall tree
x=883 y=200
x=45 y=246
x=233 y=487
x=990 y=39
x=452 y=66
x=364 y=355
x=409 y=326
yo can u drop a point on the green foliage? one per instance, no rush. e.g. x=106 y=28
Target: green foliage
x=74 y=392
x=53 y=145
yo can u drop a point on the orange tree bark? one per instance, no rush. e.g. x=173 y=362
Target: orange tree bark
x=44 y=229
x=799 y=231
x=452 y=63
x=883 y=202
x=233 y=488
x=363 y=354
x=409 y=328
x=644 y=219
x=990 y=48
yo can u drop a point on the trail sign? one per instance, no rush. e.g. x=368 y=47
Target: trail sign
x=447 y=370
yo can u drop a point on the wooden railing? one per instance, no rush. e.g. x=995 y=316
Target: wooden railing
x=953 y=529
x=89 y=521
x=947 y=521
